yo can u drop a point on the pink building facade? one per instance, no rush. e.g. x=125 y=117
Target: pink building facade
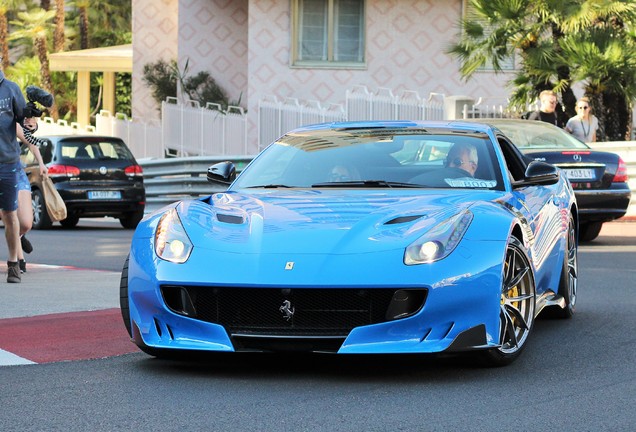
x=248 y=47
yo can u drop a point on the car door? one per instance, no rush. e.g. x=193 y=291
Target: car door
x=541 y=206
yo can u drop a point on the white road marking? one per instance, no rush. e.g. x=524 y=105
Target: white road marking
x=10 y=359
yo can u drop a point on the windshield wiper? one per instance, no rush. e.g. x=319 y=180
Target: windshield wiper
x=367 y=183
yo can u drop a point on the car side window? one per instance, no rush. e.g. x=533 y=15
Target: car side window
x=514 y=162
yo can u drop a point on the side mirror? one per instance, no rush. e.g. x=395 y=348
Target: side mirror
x=222 y=172
x=539 y=173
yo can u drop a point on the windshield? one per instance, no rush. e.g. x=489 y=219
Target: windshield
x=531 y=134
x=368 y=158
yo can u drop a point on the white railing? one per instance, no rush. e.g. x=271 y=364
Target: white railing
x=144 y=139
x=361 y=104
x=189 y=129
x=277 y=117
x=481 y=109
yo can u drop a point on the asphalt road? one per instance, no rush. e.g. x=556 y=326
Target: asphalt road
x=575 y=375
x=100 y=244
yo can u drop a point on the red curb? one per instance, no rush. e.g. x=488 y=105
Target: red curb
x=66 y=336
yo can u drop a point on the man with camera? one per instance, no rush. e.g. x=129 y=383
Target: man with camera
x=12 y=106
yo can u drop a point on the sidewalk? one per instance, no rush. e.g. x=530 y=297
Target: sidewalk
x=61 y=314
x=624 y=227
x=54 y=289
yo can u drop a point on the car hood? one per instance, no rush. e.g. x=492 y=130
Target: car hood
x=311 y=221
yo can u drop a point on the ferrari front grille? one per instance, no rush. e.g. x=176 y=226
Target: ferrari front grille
x=292 y=311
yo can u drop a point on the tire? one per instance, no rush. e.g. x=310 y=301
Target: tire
x=517 y=310
x=123 y=297
x=568 y=284
x=124 y=306
x=131 y=220
x=70 y=222
x=41 y=219
x=589 y=231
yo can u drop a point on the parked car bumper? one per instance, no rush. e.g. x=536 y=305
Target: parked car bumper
x=603 y=205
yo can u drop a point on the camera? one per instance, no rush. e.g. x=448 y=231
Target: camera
x=36 y=94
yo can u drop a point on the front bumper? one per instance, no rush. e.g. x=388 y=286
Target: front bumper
x=461 y=310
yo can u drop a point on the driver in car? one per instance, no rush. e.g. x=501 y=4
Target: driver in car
x=464 y=157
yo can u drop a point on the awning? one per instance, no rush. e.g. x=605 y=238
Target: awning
x=107 y=60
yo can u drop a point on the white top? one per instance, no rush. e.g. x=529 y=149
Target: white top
x=582 y=129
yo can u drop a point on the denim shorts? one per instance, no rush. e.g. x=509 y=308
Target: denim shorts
x=9 y=185
x=23 y=181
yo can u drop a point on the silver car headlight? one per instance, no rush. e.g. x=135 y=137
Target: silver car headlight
x=439 y=241
x=171 y=241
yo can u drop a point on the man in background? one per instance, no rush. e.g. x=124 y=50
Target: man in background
x=547 y=111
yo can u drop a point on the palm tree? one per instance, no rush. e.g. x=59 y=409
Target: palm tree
x=5 y=7
x=35 y=25
x=58 y=36
x=539 y=31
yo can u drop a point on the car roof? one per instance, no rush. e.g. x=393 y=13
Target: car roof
x=79 y=137
x=398 y=124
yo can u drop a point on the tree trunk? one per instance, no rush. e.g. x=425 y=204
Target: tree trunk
x=83 y=23
x=40 y=47
x=4 y=41
x=616 y=117
x=58 y=35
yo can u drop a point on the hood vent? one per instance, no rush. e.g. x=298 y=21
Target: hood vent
x=231 y=219
x=403 y=219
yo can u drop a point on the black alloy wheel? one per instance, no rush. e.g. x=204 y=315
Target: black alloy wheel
x=568 y=283
x=517 y=306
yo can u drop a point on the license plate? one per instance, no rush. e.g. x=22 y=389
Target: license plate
x=104 y=195
x=580 y=174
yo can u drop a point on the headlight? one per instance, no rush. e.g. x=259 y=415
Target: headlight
x=171 y=241
x=440 y=241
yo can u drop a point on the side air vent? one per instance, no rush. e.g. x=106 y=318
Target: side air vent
x=403 y=219
x=231 y=219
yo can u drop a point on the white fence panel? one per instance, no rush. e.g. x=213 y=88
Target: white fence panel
x=145 y=140
x=269 y=114
x=290 y=114
x=358 y=103
x=335 y=113
x=433 y=108
x=311 y=113
x=213 y=130
x=191 y=129
x=171 y=125
x=48 y=126
x=409 y=106
x=383 y=105
x=236 y=129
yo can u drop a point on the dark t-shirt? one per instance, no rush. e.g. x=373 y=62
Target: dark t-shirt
x=546 y=117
